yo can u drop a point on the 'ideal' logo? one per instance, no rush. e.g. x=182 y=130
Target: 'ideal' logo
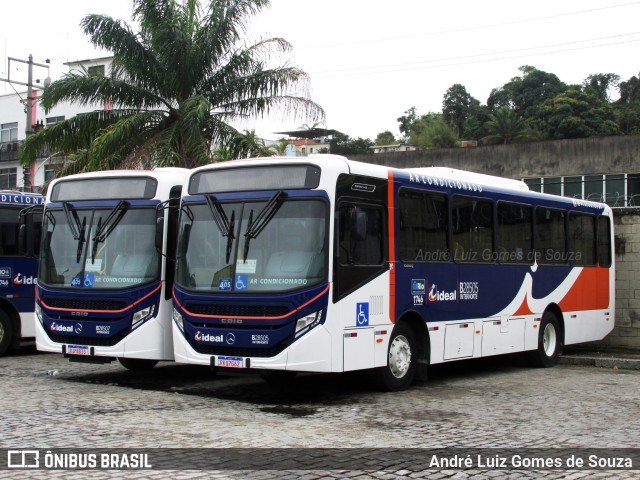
x=20 y=280
x=437 y=296
x=208 y=338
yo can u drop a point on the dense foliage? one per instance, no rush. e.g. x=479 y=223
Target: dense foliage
x=176 y=88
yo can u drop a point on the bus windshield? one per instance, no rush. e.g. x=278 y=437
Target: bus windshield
x=110 y=248
x=270 y=245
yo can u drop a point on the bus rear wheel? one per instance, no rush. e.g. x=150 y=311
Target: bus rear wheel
x=137 y=364
x=6 y=332
x=549 y=342
x=401 y=361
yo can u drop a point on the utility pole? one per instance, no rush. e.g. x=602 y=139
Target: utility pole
x=26 y=169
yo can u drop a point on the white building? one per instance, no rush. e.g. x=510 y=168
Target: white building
x=13 y=121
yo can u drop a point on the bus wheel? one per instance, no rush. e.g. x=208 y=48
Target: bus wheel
x=6 y=332
x=549 y=343
x=137 y=363
x=401 y=361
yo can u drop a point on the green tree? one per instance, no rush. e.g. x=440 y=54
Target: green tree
x=601 y=84
x=176 y=87
x=579 y=114
x=406 y=121
x=342 y=144
x=627 y=107
x=385 y=138
x=281 y=147
x=431 y=131
x=248 y=144
x=506 y=126
x=457 y=107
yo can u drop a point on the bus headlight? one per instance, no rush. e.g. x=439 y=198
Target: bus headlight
x=308 y=321
x=142 y=315
x=177 y=317
x=38 y=312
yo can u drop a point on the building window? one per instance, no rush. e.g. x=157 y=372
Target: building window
x=573 y=187
x=553 y=185
x=96 y=71
x=9 y=132
x=616 y=190
x=54 y=120
x=593 y=188
x=8 y=178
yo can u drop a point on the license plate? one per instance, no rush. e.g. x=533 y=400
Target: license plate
x=229 y=362
x=77 y=350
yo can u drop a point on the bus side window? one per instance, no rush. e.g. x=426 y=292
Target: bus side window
x=550 y=237
x=472 y=229
x=9 y=225
x=582 y=235
x=514 y=238
x=360 y=241
x=424 y=226
x=604 y=241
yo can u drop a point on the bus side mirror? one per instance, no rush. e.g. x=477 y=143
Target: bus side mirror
x=159 y=232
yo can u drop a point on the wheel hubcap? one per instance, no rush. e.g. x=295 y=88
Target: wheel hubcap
x=399 y=356
x=549 y=340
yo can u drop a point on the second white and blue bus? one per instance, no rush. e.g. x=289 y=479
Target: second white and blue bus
x=20 y=224
x=324 y=264
x=106 y=267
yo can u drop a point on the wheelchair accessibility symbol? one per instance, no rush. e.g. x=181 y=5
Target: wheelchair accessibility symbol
x=242 y=282
x=362 y=314
x=89 y=279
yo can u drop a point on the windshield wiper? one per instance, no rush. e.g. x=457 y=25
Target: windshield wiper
x=223 y=223
x=104 y=229
x=77 y=229
x=255 y=227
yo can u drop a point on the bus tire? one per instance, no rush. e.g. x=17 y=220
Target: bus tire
x=137 y=364
x=6 y=332
x=401 y=361
x=549 y=342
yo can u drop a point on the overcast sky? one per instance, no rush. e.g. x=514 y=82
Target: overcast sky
x=370 y=60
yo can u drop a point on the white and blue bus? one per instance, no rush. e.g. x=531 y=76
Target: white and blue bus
x=107 y=265
x=18 y=266
x=328 y=265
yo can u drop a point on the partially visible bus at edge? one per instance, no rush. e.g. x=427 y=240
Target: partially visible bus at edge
x=18 y=266
x=107 y=265
x=328 y=265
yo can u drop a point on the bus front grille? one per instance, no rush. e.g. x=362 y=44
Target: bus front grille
x=225 y=310
x=84 y=304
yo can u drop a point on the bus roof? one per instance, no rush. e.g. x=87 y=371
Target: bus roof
x=466 y=176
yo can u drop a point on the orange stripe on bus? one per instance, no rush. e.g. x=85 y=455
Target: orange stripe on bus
x=392 y=249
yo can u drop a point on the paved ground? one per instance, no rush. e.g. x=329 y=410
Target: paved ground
x=47 y=402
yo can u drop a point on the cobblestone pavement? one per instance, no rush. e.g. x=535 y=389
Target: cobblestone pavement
x=47 y=402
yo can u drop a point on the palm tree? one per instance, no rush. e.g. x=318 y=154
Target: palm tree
x=176 y=87
x=249 y=144
x=505 y=126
